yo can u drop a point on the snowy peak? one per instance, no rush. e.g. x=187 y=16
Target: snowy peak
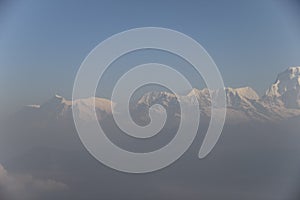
x=243 y=92
x=234 y=97
x=59 y=108
x=85 y=108
x=162 y=98
x=286 y=90
x=240 y=98
x=287 y=80
x=203 y=96
x=289 y=74
x=242 y=104
x=57 y=96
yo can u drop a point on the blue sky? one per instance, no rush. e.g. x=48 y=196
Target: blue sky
x=42 y=43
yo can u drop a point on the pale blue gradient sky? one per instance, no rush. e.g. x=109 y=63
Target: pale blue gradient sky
x=42 y=43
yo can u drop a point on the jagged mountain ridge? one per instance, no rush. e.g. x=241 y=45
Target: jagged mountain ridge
x=281 y=101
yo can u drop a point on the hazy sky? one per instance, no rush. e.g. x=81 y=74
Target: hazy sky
x=42 y=43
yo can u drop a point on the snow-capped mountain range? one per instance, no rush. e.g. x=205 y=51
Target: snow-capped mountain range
x=281 y=101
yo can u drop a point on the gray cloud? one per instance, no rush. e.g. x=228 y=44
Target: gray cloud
x=23 y=186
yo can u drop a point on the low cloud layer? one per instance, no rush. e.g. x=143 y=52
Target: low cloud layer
x=20 y=186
